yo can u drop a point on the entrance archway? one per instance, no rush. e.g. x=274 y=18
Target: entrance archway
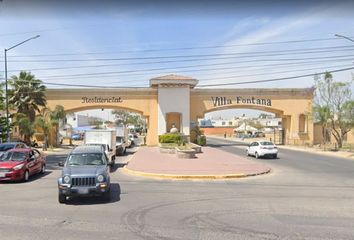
x=177 y=94
x=142 y=101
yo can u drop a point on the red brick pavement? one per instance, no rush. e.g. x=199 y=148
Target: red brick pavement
x=212 y=162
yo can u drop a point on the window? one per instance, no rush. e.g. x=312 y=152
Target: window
x=302 y=123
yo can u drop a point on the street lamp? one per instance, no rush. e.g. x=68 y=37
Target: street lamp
x=6 y=87
x=348 y=38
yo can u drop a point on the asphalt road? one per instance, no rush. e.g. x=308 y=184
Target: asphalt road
x=305 y=197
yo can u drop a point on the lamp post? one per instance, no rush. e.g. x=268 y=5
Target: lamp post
x=6 y=87
x=348 y=38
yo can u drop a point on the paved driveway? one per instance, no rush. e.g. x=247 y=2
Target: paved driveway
x=287 y=204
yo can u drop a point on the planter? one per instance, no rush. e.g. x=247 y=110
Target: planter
x=167 y=149
x=196 y=147
x=185 y=153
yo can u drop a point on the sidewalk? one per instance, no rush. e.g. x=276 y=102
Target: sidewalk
x=211 y=164
x=343 y=154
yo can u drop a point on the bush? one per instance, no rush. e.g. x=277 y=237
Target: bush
x=195 y=133
x=171 y=138
x=201 y=140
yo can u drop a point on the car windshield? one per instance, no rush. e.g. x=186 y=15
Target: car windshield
x=103 y=146
x=267 y=143
x=13 y=156
x=5 y=147
x=82 y=159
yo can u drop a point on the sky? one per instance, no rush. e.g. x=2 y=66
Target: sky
x=124 y=44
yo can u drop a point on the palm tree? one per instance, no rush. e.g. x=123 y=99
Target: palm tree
x=49 y=123
x=57 y=116
x=27 y=94
x=26 y=127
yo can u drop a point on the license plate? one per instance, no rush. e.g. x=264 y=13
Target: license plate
x=83 y=191
x=2 y=174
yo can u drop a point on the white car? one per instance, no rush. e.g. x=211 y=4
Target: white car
x=262 y=149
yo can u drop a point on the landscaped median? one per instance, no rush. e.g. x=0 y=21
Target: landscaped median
x=212 y=164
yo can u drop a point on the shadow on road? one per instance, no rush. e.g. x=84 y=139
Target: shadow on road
x=115 y=197
x=53 y=160
x=117 y=166
x=226 y=144
x=31 y=179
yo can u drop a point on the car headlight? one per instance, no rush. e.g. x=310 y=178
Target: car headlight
x=100 y=178
x=18 y=167
x=66 y=179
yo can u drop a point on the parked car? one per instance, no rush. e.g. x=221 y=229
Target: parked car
x=11 y=145
x=262 y=149
x=85 y=173
x=131 y=140
x=121 y=146
x=76 y=136
x=19 y=164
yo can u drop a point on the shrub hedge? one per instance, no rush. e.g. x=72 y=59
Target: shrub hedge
x=201 y=140
x=171 y=138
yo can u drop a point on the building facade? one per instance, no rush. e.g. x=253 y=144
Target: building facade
x=174 y=100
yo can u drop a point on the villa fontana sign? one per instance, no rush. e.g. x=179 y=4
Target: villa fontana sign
x=222 y=101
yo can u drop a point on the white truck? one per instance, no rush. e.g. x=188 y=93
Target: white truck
x=105 y=138
x=121 y=140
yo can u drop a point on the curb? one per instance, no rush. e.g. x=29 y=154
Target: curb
x=175 y=176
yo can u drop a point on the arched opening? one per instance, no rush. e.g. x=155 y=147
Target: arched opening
x=247 y=123
x=78 y=120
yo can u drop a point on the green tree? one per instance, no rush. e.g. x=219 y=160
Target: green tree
x=124 y=117
x=27 y=95
x=26 y=127
x=322 y=116
x=335 y=105
x=49 y=122
x=3 y=119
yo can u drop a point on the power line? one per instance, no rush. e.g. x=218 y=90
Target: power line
x=275 y=79
x=211 y=85
x=156 y=62
x=216 y=46
x=205 y=85
x=242 y=53
x=199 y=65
x=271 y=73
x=234 y=55
x=249 y=67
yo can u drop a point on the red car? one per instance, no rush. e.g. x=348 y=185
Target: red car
x=19 y=164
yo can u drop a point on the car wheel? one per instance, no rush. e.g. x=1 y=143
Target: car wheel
x=26 y=176
x=257 y=156
x=107 y=196
x=61 y=198
x=125 y=150
x=43 y=169
x=275 y=156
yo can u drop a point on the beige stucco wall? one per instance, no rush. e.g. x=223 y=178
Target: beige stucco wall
x=318 y=137
x=141 y=100
x=173 y=99
x=287 y=104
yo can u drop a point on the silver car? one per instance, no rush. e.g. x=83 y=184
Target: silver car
x=85 y=173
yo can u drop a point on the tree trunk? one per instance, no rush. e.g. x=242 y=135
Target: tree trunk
x=45 y=143
x=27 y=140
